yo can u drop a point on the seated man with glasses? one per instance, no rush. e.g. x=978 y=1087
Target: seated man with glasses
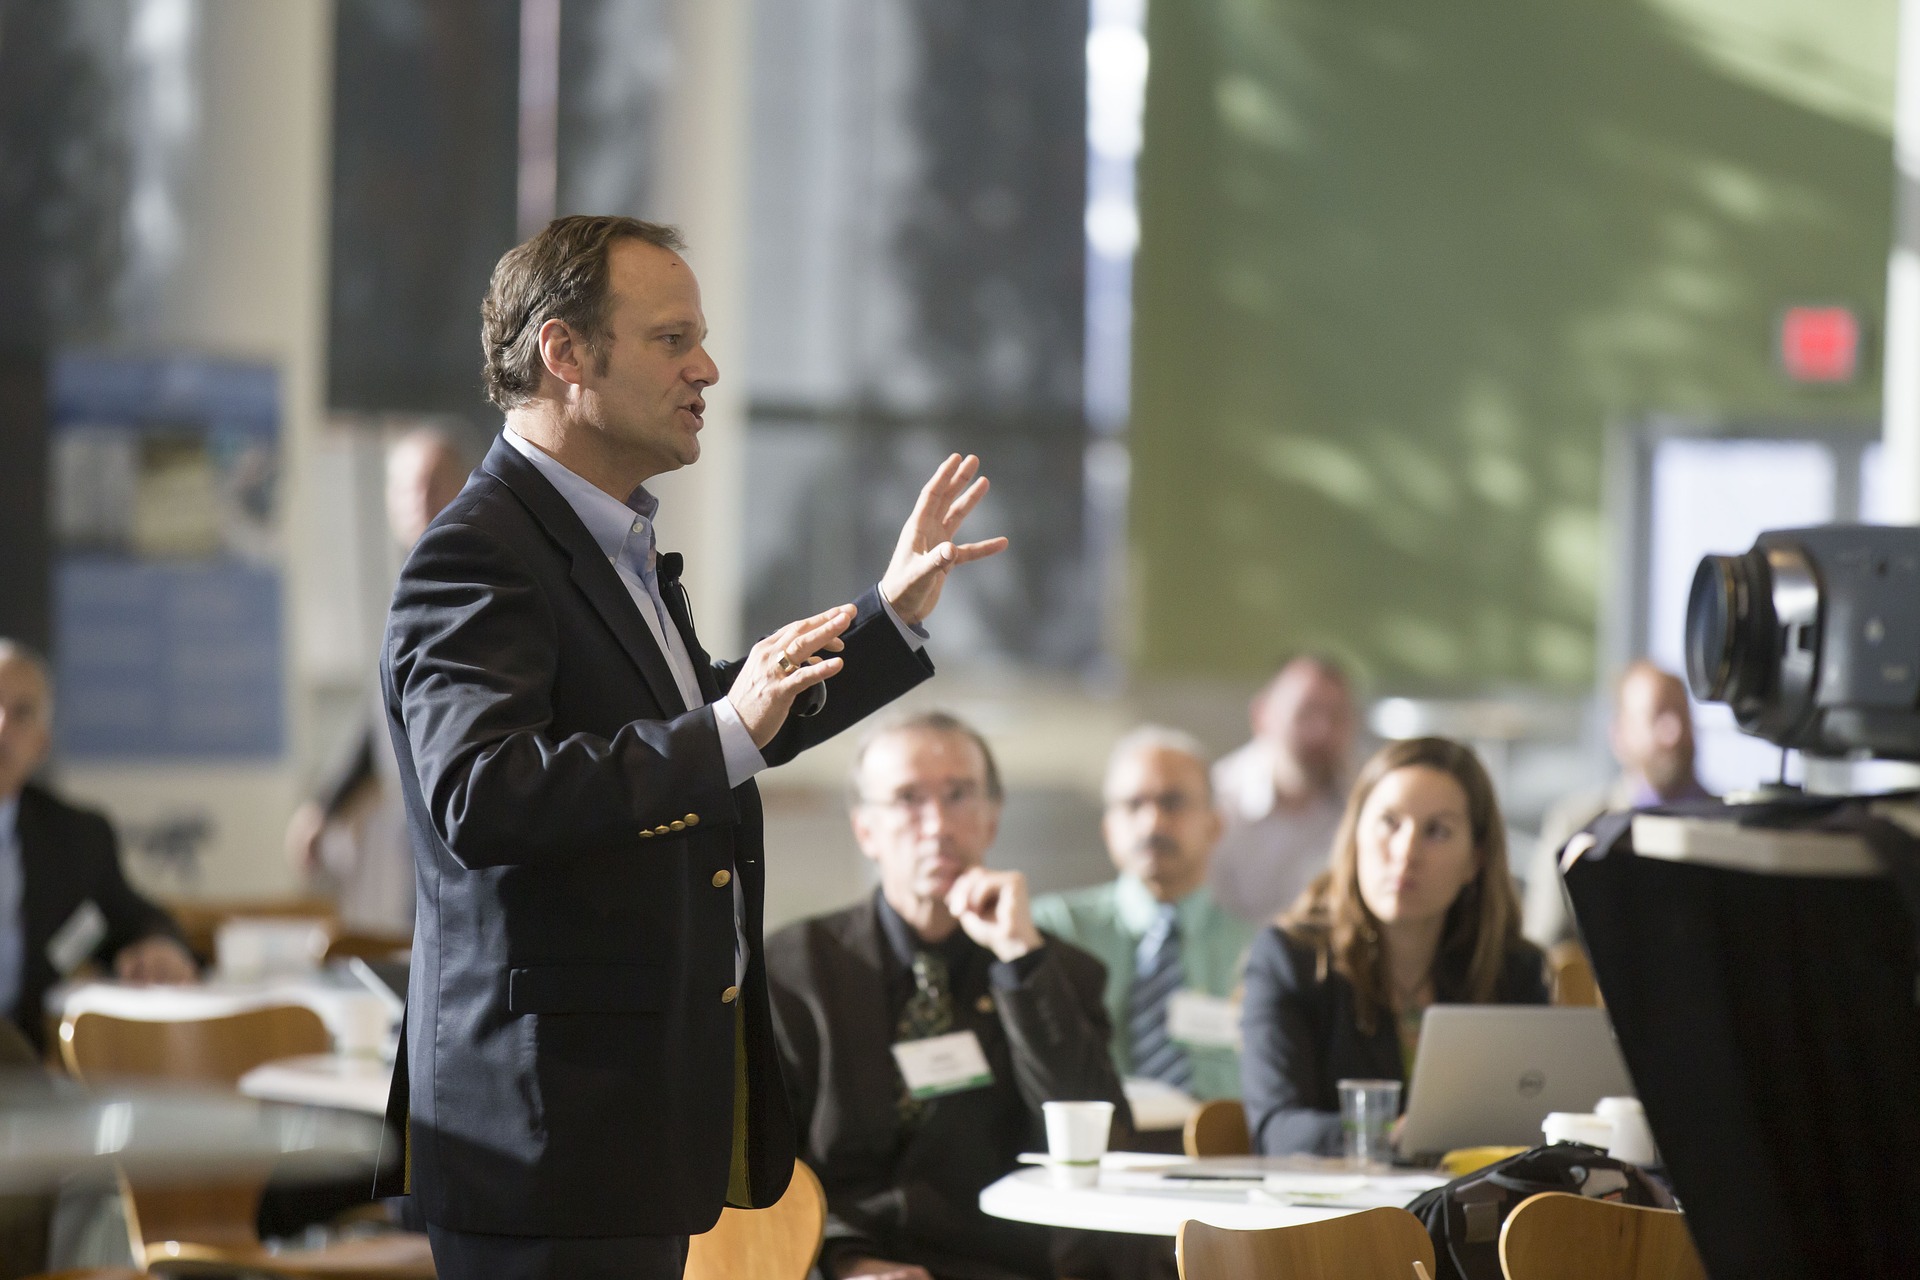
x=1173 y=955
x=903 y=1138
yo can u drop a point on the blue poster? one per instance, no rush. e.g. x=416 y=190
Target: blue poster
x=168 y=641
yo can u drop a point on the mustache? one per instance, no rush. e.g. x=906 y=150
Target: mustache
x=1160 y=846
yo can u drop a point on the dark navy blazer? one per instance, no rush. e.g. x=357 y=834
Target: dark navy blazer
x=571 y=1017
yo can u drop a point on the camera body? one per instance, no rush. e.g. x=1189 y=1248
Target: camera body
x=1812 y=637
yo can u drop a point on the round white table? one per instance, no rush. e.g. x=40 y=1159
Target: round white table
x=346 y=1082
x=1143 y=1195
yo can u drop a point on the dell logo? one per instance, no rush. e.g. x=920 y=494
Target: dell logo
x=1531 y=1083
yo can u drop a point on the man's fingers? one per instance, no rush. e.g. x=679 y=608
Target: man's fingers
x=967 y=552
x=810 y=673
x=963 y=506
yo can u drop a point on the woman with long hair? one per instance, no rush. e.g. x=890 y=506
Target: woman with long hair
x=1415 y=908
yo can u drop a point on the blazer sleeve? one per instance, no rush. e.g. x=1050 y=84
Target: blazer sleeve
x=1283 y=1053
x=130 y=917
x=472 y=648
x=1055 y=1016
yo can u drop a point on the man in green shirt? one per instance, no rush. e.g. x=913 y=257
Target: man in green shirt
x=1173 y=956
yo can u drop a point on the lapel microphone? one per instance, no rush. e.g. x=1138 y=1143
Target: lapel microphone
x=667 y=566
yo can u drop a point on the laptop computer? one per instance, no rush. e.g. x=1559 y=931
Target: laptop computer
x=1488 y=1074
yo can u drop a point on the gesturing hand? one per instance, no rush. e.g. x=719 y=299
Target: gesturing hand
x=778 y=668
x=926 y=550
x=992 y=907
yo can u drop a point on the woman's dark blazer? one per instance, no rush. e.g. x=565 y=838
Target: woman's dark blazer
x=1300 y=1039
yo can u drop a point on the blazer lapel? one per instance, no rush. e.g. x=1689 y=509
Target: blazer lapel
x=592 y=573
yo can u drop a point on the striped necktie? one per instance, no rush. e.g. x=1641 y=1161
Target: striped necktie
x=1157 y=974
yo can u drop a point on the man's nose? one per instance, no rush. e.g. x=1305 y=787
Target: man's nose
x=704 y=372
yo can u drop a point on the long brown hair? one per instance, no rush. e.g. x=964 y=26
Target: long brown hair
x=1481 y=927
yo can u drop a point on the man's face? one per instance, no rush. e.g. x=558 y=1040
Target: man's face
x=1159 y=821
x=644 y=380
x=1653 y=729
x=924 y=815
x=26 y=722
x=1306 y=717
x=423 y=476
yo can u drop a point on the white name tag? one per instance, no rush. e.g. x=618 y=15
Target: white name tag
x=77 y=939
x=940 y=1065
x=1210 y=1022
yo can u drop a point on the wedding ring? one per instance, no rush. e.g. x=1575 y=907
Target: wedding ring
x=786 y=665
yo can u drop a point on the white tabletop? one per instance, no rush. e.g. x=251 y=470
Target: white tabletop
x=350 y=1011
x=344 y=1081
x=1134 y=1195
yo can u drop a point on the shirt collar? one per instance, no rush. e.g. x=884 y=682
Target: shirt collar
x=902 y=941
x=609 y=521
x=1137 y=908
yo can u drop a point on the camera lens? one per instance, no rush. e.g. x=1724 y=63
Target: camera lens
x=1727 y=654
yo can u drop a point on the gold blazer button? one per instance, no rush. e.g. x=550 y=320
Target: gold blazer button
x=676 y=825
x=721 y=879
x=692 y=819
x=645 y=834
x=729 y=995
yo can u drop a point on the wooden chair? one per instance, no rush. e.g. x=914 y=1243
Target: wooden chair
x=776 y=1243
x=1376 y=1244
x=1555 y=1236
x=1217 y=1128
x=213 y=1223
x=1570 y=975
x=92 y=1273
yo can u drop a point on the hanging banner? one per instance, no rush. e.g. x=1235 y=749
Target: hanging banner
x=166 y=582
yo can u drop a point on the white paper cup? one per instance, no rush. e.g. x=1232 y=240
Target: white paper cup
x=1076 y=1139
x=1577 y=1126
x=1632 y=1137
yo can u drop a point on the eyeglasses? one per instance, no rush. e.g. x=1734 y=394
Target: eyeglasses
x=1171 y=803
x=962 y=799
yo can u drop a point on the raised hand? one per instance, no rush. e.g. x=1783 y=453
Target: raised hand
x=992 y=907
x=926 y=551
x=782 y=665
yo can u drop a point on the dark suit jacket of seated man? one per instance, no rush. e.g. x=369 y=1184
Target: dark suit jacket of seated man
x=903 y=1182
x=63 y=899
x=588 y=1054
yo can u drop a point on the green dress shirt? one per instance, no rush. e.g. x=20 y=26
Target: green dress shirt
x=1110 y=919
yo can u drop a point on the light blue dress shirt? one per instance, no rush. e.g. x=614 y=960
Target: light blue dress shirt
x=624 y=533
x=13 y=936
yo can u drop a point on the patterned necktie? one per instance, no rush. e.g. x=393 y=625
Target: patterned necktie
x=928 y=1012
x=1157 y=974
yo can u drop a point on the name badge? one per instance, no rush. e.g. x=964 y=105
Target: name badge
x=940 y=1065
x=1210 y=1022
x=77 y=939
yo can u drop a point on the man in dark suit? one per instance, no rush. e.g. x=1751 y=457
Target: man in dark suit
x=589 y=1056
x=63 y=900
x=945 y=947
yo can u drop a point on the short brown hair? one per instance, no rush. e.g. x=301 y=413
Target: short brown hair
x=560 y=274
x=923 y=722
x=1481 y=927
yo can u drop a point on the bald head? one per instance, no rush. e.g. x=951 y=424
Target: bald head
x=1306 y=718
x=26 y=715
x=1653 y=728
x=424 y=473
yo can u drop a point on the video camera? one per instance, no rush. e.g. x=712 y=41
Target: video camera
x=1813 y=639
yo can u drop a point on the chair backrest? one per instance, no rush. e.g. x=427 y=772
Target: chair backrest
x=1374 y=1244
x=1217 y=1128
x=776 y=1243
x=207 y=1051
x=1570 y=975
x=1555 y=1236
x=96 y=1046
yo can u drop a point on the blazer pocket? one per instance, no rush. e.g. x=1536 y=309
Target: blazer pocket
x=587 y=988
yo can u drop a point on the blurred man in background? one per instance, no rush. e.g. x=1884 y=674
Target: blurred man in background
x=1281 y=795
x=351 y=837
x=63 y=899
x=1173 y=956
x=945 y=948
x=1652 y=740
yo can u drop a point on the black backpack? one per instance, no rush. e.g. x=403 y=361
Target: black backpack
x=1465 y=1216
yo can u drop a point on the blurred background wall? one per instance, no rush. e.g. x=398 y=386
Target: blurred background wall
x=1400 y=269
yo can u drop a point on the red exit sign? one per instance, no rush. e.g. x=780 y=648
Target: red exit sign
x=1819 y=344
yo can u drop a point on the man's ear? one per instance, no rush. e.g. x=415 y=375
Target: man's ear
x=863 y=833
x=562 y=354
